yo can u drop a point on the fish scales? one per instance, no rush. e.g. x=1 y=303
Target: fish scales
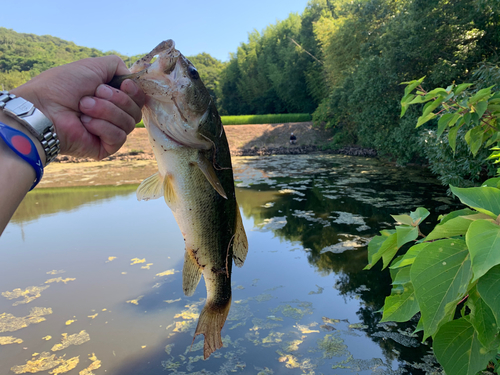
x=195 y=178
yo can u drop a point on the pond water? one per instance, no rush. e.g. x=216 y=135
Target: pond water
x=91 y=279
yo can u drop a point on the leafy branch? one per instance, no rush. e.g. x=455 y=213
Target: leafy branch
x=458 y=107
x=456 y=267
x=459 y=258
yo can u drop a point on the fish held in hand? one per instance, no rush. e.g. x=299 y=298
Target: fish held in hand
x=194 y=176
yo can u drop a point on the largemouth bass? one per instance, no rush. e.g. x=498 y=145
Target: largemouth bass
x=194 y=176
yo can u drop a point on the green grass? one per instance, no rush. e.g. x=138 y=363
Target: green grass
x=266 y=119
x=259 y=119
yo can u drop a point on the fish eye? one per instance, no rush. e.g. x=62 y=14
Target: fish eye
x=193 y=72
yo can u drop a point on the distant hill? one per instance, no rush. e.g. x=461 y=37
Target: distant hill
x=23 y=56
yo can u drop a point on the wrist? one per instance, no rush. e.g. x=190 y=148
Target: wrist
x=34 y=121
x=7 y=120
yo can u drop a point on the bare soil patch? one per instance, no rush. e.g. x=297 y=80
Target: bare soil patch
x=242 y=139
x=135 y=160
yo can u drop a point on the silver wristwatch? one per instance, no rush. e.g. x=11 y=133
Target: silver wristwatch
x=34 y=120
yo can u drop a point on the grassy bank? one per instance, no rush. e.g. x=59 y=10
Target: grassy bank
x=266 y=119
x=260 y=119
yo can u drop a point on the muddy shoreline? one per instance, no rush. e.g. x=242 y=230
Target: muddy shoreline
x=244 y=140
x=135 y=160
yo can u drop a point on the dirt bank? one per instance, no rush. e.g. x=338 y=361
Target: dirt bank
x=244 y=140
x=135 y=160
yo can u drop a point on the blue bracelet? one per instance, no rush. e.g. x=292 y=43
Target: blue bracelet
x=22 y=145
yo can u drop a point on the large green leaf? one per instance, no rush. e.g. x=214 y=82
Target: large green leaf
x=403 y=219
x=481 y=107
x=474 y=138
x=484 y=199
x=440 y=275
x=374 y=247
x=420 y=325
x=480 y=95
x=459 y=350
x=482 y=318
x=402 y=276
x=458 y=90
x=419 y=214
x=384 y=246
x=412 y=85
x=423 y=119
x=410 y=256
x=453 y=214
x=406 y=234
x=401 y=305
x=483 y=241
x=488 y=287
x=452 y=137
x=454 y=227
x=448 y=119
x=492 y=182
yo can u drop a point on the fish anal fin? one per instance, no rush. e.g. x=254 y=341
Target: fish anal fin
x=210 y=323
x=168 y=189
x=150 y=188
x=191 y=273
x=240 y=242
x=208 y=170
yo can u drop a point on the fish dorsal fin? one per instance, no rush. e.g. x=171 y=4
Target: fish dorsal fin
x=191 y=273
x=240 y=242
x=208 y=170
x=168 y=189
x=150 y=188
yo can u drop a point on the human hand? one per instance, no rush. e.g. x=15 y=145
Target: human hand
x=91 y=118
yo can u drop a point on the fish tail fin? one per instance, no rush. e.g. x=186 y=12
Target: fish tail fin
x=210 y=323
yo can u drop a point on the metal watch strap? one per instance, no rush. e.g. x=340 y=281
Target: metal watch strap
x=34 y=120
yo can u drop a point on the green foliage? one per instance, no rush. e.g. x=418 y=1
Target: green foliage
x=457 y=167
x=274 y=71
x=468 y=120
x=23 y=56
x=265 y=119
x=458 y=260
x=259 y=119
x=370 y=46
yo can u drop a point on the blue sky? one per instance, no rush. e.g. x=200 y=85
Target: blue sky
x=217 y=27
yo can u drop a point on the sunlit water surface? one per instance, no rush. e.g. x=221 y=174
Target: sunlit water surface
x=91 y=278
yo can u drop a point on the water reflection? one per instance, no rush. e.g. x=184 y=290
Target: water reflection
x=301 y=303
x=42 y=202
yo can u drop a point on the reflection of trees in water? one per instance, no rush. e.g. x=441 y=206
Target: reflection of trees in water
x=42 y=202
x=314 y=235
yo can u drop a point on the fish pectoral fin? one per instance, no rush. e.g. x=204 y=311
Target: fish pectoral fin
x=150 y=188
x=240 y=242
x=168 y=189
x=208 y=170
x=191 y=273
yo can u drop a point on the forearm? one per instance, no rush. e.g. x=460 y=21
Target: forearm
x=16 y=175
